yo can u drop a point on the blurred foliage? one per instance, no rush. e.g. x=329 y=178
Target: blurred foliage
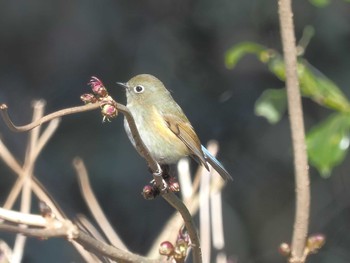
x=322 y=3
x=272 y=104
x=327 y=142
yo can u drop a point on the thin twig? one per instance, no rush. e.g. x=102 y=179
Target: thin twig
x=38 y=189
x=11 y=198
x=204 y=215
x=174 y=201
x=184 y=175
x=88 y=107
x=46 y=136
x=73 y=233
x=22 y=218
x=49 y=117
x=217 y=219
x=171 y=228
x=94 y=206
x=29 y=162
x=84 y=223
x=298 y=133
x=152 y=163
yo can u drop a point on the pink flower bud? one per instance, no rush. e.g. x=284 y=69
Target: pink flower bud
x=97 y=87
x=166 y=248
x=109 y=111
x=174 y=187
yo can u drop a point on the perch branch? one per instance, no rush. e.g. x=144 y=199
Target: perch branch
x=54 y=115
x=298 y=134
x=154 y=166
x=171 y=228
x=88 y=107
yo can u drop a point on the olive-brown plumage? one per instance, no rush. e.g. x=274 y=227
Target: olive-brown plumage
x=163 y=127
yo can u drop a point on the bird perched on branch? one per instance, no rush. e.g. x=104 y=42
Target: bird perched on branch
x=163 y=126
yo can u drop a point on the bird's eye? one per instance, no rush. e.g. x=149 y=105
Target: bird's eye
x=139 y=89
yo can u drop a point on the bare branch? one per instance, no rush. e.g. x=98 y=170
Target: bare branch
x=92 y=106
x=46 y=135
x=204 y=214
x=37 y=188
x=94 y=206
x=175 y=202
x=49 y=117
x=22 y=218
x=298 y=133
x=184 y=176
x=66 y=229
x=154 y=166
x=28 y=167
x=171 y=228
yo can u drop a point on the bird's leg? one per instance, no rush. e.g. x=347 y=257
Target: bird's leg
x=159 y=180
x=162 y=182
x=166 y=169
x=157 y=186
x=170 y=179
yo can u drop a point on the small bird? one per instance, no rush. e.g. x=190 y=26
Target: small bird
x=163 y=126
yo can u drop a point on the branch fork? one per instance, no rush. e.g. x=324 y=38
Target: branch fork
x=109 y=109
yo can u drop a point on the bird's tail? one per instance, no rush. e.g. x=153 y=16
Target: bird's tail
x=216 y=165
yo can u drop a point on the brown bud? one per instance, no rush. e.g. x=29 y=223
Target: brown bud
x=166 y=248
x=45 y=210
x=284 y=249
x=88 y=98
x=183 y=234
x=149 y=192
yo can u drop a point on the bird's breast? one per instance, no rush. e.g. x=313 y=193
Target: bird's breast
x=162 y=143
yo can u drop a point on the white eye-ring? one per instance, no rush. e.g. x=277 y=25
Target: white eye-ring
x=139 y=89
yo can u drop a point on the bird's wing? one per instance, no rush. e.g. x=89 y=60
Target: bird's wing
x=184 y=131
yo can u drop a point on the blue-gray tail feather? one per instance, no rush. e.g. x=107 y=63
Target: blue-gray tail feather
x=216 y=165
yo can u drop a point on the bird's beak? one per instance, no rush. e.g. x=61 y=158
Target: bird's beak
x=124 y=85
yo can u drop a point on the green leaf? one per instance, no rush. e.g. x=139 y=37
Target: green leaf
x=272 y=104
x=320 y=88
x=234 y=54
x=320 y=3
x=313 y=83
x=328 y=143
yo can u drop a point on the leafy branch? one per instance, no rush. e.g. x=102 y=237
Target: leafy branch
x=328 y=141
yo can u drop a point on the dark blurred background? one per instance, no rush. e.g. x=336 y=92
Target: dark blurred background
x=49 y=49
